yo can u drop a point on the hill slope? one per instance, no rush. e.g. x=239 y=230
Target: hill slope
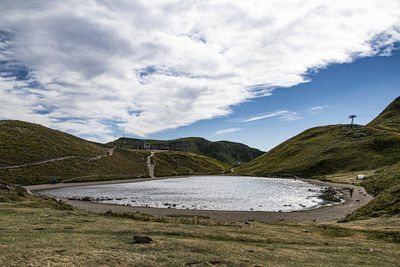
x=389 y=119
x=228 y=152
x=33 y=154
x=327 y=150
x=340 y=149
x=334 y=148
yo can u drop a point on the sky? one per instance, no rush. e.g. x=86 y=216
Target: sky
x=255 y=72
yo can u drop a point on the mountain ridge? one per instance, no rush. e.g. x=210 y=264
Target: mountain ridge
x=231 y=153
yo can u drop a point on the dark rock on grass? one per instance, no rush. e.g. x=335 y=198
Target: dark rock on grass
x=60 y=251
x=142 y=239
x=192 y=263
x=39 y=229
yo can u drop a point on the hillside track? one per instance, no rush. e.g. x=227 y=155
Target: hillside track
x=108 y=153
x=150 y=165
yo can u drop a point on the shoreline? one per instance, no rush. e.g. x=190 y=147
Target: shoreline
x=323 y=213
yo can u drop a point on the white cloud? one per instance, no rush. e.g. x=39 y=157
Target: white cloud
x=146 y=66
x=316 y=109
x=274 y=114
x=225 y=131
x=284 y=114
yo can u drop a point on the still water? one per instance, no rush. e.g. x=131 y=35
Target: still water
x=234 y=193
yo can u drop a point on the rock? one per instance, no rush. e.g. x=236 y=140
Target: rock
x=142 y=239
x=304 y=231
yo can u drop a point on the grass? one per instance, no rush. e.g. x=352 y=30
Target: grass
x=22 y=143
x=183 y=163
x=346 y=178
x=385 y=185
x=338 y=153
x=328 y=150
x=55 y=235
x=334 y=149
x=123 y=163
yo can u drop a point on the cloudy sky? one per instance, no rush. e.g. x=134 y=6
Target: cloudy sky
x=256 y=72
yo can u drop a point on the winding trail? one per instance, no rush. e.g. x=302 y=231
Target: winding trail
x=108 y=153
x=150 y=165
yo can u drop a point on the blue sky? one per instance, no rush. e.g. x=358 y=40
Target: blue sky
x=256 y=72
x=364 y=88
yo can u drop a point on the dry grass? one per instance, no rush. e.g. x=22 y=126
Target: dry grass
x=348 y=177
x=39 y=232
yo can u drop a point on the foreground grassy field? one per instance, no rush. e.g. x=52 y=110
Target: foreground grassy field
x=39 y=232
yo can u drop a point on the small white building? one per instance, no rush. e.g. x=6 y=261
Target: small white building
x=361 y=177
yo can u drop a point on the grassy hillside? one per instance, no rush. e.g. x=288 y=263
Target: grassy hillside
x=26 y=143
x=327 y=150
x=334 y=149
x=107 y=239
x=339 y=149
x=389 y=119
x=385 y=185
x=22 y=142
x=228 y=152
x=177 y=163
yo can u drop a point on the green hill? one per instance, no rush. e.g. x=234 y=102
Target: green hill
x=385 y=186
x=339 y=149
x=228 y=152
x=33 y=154
x=389 y=119
x=334 y=149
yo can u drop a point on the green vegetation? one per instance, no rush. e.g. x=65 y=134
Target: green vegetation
x=385 y=185
x=389 y=119
x=22 y=142
x=38 y=232
x=328 y=150
x=230 y=153
x=26 y=143
x=178 y=163
x=338 y=153
x=334 y=149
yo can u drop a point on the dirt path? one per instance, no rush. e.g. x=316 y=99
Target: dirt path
x=109 y=152
x=326 y=213
x=150 y=165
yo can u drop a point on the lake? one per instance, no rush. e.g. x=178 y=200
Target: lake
x=232 y=193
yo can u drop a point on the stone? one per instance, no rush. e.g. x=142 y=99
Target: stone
x=142 y=239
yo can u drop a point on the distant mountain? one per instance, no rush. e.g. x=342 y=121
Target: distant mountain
x=228 y=152
x=334 y=149
x=33 y=154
